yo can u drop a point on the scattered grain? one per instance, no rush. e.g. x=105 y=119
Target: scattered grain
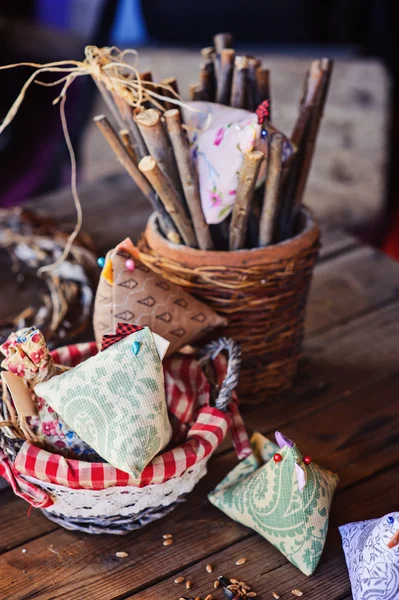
x=121 y=554
x=234 y=581
x=209 y=568
x=276 y=596
x=252 y=595
x=24 y=551
x=168 y=542
x=167 y=536
x=198 y=598
x=241 y=561
x=216 y=584
x=188 y=585
x=209 y=597
x=297 y=593
x=179 y=579
x=245 y=586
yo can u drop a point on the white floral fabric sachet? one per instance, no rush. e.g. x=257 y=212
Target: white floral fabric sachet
x=373 y=567
x=115 y=401
x=219 y=137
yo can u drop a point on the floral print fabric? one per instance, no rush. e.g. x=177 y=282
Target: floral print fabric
x=373 y=567
x=220 y=136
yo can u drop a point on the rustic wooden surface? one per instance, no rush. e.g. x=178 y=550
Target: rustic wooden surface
x=342 y=411
x=348 y=174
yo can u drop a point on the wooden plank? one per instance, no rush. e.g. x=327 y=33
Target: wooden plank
x=267 y=570
x=350 y=285
x=17 y=527
x=199 y=529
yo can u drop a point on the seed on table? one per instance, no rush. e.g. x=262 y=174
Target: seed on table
x=198 y=598
x=241 y=561
x=276 y=596
x=24 y=551
x=167 y=536
x=121 y=555
x=216 y=584
x=209 y=568
x=251 y=595
x=297 y=593
x=168 y=542
x=244 y=585
x=234 y=581
x=179 y=579
x=209 y=597
x=188 y=584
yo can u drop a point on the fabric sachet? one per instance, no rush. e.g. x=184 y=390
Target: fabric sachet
x=115 y=401
x=146 y=299
x=286 y=500
x=218 y=146
x=373 y=567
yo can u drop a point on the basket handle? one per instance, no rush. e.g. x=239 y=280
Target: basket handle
x=210 y=351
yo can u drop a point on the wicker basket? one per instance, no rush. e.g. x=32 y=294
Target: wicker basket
x=262 y=292
x=121 y=509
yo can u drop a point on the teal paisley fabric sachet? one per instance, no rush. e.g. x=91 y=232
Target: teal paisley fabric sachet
x=287 y=502
x=115 y=401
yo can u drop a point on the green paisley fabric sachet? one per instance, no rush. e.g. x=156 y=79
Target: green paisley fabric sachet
x=116 y=402
x=287 y=502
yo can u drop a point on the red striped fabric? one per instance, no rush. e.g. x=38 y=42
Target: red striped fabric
x=198 y=429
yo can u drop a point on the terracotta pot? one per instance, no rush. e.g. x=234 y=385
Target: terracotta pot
x=262 y=292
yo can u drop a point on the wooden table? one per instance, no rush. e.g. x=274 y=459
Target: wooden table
x=342 y=411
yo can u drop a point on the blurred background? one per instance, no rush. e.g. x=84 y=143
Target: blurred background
x=353 y=184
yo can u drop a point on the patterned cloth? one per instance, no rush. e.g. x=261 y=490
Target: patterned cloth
x=27 y=355
x=373 y=567
x=218 y=146
x=122 y=330
x=290 y=510
x=115 y=401
x=21 y=488
x=144 y=298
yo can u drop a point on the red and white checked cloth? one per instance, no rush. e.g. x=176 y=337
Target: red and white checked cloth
x=22 y=488
x=202 y=427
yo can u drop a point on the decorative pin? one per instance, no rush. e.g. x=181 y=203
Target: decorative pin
x=136 y=348
x=277 y=457
x=129 y=264
x=307 y=460
x=101 y=261
x=390 y=520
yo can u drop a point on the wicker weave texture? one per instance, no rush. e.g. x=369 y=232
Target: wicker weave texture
x=265 y=306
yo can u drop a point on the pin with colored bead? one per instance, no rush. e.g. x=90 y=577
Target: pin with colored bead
x=277 y=457
x=307 y=460
x=136 y=348
x=129 y=264
x=101 y=261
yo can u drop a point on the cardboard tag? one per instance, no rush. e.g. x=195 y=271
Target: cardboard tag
x=161 y=344
x=20 y=394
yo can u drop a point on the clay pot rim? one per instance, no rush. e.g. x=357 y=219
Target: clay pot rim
x=194 y=257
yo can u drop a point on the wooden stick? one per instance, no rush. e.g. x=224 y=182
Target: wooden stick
x=222 y=41
x=122 y=155
x=208 y=53
x=195 y=92
x=320 y=97
x=166 y=191
x=252 y=90
x=188 y=177
x=136 y=139
x=124 y=135
x=225 y=76
x=158 y=144
x=208 y=80
x=172 y=83
x=272 y=189
x=263 y=87
x=108 y=99
x=245 y=190
x=240 y=83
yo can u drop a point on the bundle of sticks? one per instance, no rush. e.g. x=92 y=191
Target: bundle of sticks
x=151 y=143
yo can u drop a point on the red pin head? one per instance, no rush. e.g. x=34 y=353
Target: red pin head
x=277 y=457
x=307 y=460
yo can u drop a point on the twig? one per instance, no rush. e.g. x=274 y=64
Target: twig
x=272 y=189
x=124 y=135
x=240 y=83
x=252 y=90
x=225 y=76
x=195 y=92
x=123 y=156
x=263 y=87
x=245 y=190
x=222 y=41
x=208 y=80
x=108 y=99
x=170 y=199
x=171 y=82
x=317 y=109
x=136 y=139
x=188 y=177
x=158 y=144
x=208 y=53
